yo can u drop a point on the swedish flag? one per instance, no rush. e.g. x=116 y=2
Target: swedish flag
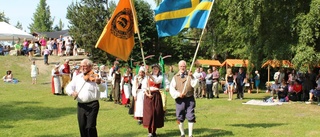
x=174 y=15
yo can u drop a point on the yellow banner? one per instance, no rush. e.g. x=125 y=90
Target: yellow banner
x=117 y=37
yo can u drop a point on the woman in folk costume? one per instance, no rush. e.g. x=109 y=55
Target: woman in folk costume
x=126 y=82
x=138 y=94
x=153 y=114
x=56 y=84
x=104 y=76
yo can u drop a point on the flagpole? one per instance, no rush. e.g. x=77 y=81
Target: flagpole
x=140 y=43
x=196 y=52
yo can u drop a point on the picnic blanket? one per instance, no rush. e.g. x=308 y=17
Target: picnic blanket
x=262 y=103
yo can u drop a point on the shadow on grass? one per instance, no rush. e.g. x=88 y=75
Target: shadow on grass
x=64 y=135
x=37 y=58
x=170 y=115
x=5 y=126
x=254 y=125
x=46 y=83
x=203 y=132
x=21 y=110
x=54 y=63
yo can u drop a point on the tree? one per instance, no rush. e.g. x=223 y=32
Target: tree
x=87 y=20
x=3 y=17
x=148 y=32
x=257 y=30
x=59 y=27
x=42 y=21
x=157 y=2
x=19 y=25
x=307 y=52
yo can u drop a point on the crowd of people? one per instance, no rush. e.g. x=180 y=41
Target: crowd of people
x=144 y=91
x=43 y=47
x=293 y=86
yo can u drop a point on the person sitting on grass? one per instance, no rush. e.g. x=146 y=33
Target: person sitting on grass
x=296 y=94
x=274 y=88
x=283 y=91
x=314 y=92
x=8 y=77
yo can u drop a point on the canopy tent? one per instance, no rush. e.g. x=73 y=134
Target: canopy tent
x=276 y=63
x=235 y=63
x=207 y=63
x=10 y=33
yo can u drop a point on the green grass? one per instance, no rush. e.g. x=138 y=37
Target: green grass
x=32 y=111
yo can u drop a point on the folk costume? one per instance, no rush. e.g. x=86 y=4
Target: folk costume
x=138 y=94
x=104 y=76
x=153 y=114
x=116 y=86
x=126 y=82
x=65 y=74
x=55 y=81
x=111 y=78
x=185 y=106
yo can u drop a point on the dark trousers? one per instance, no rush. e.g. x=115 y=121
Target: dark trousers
x=240 y=90
x=87 y=118
x=45 y=58
x=185 y=109
x=209 y=91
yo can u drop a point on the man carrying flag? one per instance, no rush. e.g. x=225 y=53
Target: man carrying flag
x=171 y=17
x=117 y=37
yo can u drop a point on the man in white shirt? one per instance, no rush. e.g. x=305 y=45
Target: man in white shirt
x=111 y=78
x=87 y=92
x=181 y=89
x=198 y=75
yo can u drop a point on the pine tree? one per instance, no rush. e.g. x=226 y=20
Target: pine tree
x=3 y=17
x=42 y=21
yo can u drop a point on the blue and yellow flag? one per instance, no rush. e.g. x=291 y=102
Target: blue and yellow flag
x=172 y=16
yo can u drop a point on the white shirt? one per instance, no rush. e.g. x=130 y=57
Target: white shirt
x=87 y=91
x=137 y=80
x=197 y=75
x=110 y=76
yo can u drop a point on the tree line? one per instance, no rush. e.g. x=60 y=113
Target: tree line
x=257 y=30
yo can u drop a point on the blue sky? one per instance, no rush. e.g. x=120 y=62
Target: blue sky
x=23 y=10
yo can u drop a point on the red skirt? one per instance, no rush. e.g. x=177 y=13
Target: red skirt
x=124 y=100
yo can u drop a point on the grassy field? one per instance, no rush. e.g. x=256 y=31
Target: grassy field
x=28 y=110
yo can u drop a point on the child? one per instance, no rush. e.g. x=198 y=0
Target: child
x=34 y=72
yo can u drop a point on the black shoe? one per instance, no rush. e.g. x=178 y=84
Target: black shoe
x=182 y=135
x=154 y=134
x=217 y=96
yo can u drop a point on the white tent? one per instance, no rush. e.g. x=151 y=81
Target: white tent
x=9 y=33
